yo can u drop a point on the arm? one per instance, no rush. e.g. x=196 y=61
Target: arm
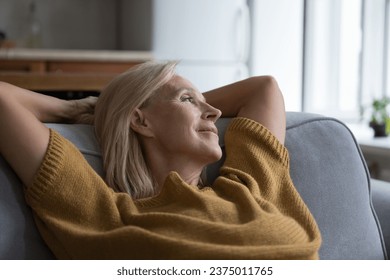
x=23 y=137
x=257 y=98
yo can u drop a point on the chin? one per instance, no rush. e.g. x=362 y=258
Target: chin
x=215 y=155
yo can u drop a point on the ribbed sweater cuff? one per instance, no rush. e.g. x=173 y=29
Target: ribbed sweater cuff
x=49 y=169
x=255 y=129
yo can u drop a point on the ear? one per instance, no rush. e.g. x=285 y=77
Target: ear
x=139 y=123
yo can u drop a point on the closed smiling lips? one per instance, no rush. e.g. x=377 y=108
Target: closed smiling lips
x=212 y=129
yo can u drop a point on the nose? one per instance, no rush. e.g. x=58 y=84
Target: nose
x=211 y=113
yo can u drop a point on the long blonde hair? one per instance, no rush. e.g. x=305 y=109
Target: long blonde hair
x=123 y=160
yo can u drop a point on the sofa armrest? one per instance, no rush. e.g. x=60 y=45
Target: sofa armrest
x=380 y=191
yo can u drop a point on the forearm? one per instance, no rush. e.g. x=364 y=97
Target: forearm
x=44 y=108
x=256 y=98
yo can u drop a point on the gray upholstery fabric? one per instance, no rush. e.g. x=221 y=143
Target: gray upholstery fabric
x=328 y=170
x=19 y=238
x=381 y=201
x=326 y=167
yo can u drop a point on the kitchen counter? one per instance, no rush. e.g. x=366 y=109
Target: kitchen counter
x=65 y=70
x=74 y=55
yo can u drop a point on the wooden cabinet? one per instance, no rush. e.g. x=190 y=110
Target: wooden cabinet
x=65 y=70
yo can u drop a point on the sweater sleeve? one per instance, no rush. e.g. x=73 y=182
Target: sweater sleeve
x=257 y=160
x=68 y=197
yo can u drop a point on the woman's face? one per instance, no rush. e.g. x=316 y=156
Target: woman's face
x=183 y=124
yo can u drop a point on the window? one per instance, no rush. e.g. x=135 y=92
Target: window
x=332 y=58
x=387 y=48
x=277 y=42
x=374 y=79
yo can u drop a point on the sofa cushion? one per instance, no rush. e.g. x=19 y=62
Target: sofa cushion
x=19 y=238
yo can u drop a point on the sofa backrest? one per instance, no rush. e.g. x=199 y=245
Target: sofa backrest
x=326 y=166
x=331 y=175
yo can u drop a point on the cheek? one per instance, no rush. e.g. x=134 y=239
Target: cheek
x=174 y=131
x=175 y=125
x=176 y=121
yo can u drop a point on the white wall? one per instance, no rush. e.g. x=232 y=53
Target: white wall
x=277 y=45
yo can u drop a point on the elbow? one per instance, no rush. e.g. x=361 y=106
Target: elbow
x=271 y=111
x=267 y=90
x=4 y=87
x=267 y=84
x=7 y=94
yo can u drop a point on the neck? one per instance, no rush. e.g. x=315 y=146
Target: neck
x=161 y=165
x=191 y=178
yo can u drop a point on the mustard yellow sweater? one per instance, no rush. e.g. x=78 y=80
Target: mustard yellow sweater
x=252 y=210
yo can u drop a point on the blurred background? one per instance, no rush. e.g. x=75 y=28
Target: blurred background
x=329 y=56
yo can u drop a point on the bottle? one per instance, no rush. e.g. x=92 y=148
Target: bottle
x=34 y=37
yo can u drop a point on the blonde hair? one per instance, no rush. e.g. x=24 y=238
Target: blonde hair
x=123 y=160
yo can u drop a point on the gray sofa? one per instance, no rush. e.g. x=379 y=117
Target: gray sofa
x=327 y=168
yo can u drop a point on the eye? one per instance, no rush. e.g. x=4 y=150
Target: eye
x=187 y=99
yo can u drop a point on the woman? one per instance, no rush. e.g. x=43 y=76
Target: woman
x=157 y=133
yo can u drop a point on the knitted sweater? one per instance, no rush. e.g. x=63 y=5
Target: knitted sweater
x=251 y=211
